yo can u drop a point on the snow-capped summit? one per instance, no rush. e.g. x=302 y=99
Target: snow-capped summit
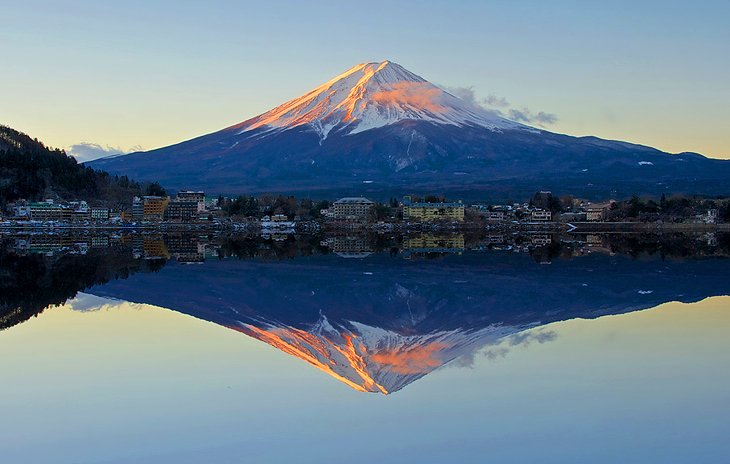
x=372 y=95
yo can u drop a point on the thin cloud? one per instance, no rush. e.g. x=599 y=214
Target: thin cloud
x=87 y=151
x=503 y=107
x=525 y=115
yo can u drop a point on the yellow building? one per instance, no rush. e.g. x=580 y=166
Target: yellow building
x=429 y=212
x=154 y=208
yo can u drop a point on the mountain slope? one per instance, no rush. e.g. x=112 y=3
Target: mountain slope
x=380 y=130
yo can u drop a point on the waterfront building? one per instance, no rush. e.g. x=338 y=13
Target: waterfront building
x=352 y=208
x=154 y=207
x=21 y=210
x=197 y=197
x=100 y=214
x=495 y=216
x=541 y=216
x=182 y=211
x=48 y=211
x=429 y=212
x=597 y=212
x=137 y=209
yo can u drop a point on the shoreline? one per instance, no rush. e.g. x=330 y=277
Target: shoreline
x=403 y=227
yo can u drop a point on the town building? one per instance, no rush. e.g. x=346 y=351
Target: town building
x=572 y=216
x=542 y=216
x=495 y=216
x=153 y=207
x=279 y=218
x=48 y=211
x=183 y=211
x=79 y=211
x=597 y=212
x=429 y=212
x=197 y=197
x=137 y=209
x=99 y=214
x=352 y=208
x=21 y=210
x=709 y=217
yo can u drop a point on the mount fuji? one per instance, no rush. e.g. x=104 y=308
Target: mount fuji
x=380 y=130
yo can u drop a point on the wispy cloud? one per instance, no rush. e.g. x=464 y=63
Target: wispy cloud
x=503 y=347
x=540 y=118
x=87 y=151
x=503 y=107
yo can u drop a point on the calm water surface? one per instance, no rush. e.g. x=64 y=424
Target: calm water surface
x=471 y=357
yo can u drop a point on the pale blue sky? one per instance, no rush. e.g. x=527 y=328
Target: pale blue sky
x=148 y=74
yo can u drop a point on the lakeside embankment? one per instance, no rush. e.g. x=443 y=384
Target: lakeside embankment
x=401 y=226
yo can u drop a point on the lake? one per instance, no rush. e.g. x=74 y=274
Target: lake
x=152 y=348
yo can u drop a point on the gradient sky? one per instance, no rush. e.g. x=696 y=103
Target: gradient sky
x=140 y=75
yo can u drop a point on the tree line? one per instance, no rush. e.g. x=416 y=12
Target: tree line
x=29 y=170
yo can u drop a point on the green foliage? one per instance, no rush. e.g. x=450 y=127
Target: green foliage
x=155 y=189
x=242 y=206
x=547 y=202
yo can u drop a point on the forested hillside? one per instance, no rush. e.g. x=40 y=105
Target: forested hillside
x=32 y=171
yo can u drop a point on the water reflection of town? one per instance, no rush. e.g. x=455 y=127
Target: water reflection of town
x=192 y=249
x=374 y=331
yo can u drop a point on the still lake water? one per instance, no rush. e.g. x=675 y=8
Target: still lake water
x=589 y=350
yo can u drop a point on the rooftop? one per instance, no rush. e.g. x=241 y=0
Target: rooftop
x=354 y=200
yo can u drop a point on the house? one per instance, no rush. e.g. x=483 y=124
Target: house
x=279 y=218
x=597 y=212
x=352 y=208
x=710 y=217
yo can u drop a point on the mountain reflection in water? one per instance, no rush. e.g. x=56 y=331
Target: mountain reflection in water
x=384 y=318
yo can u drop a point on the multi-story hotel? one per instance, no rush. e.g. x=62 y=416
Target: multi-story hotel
x=181 y=210
x=429 y=212
x=352 y=208
x=153 y=207
x=197 y=197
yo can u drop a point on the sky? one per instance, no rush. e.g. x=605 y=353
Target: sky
x=99 y=77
